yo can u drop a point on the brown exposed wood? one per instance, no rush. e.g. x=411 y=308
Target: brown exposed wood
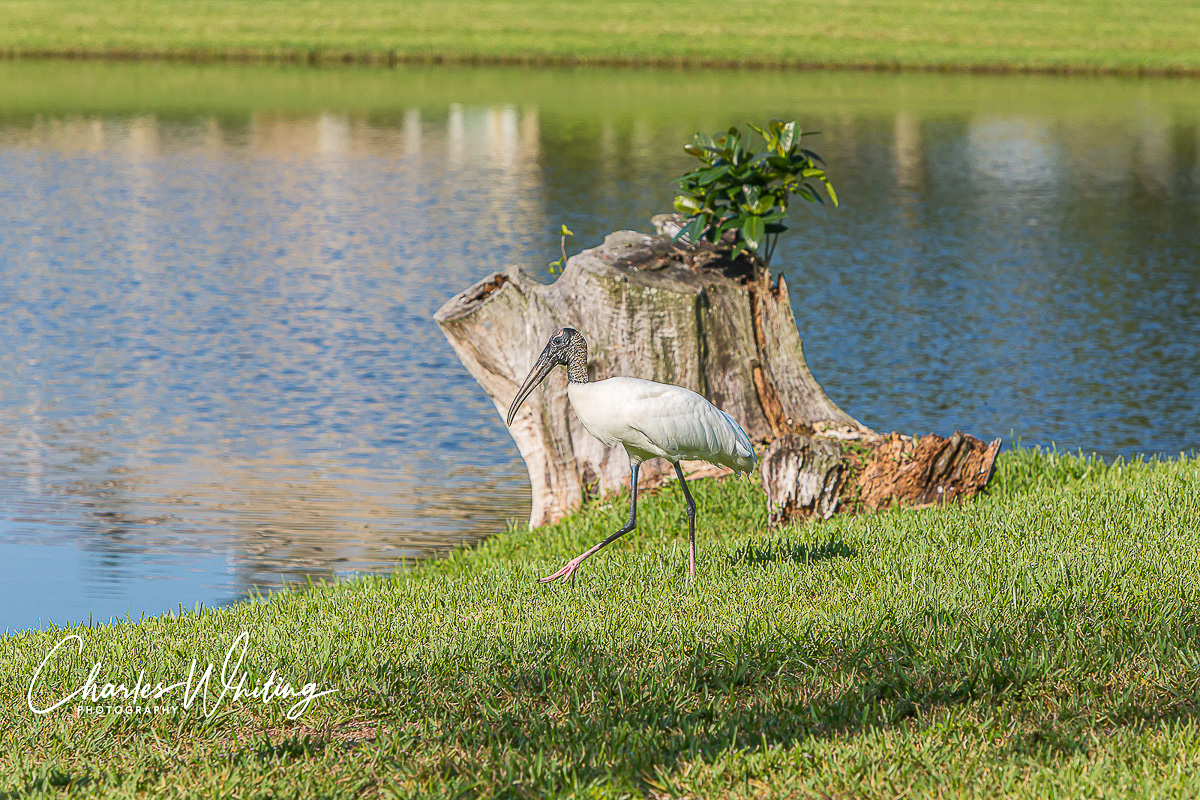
x=482 y=290
x=816 y=477
x=768 y=398
x=683 y=314
x=927 y=471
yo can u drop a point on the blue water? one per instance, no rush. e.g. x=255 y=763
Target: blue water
x=219 y=371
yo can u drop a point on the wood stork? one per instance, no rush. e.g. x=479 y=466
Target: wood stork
x=651 y=420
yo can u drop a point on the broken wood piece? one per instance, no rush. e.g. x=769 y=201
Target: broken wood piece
x=815 y=477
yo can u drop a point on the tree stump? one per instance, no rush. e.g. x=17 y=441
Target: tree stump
x=676 y=313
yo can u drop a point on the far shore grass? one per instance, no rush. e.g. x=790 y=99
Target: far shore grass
x=1091 y=36
x=1042 y=641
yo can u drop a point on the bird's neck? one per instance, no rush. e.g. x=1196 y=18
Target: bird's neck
x=577 y=364
x=577 y=370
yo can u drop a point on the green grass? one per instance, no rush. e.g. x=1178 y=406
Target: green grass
x=1042 y=641
x=1090 y=35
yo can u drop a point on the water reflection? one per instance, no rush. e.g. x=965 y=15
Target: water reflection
x=218 y=368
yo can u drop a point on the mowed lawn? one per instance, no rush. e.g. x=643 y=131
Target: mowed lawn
x=1043 y=641
x=1154 y=35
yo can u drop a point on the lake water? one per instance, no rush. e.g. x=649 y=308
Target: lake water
x=218 y=368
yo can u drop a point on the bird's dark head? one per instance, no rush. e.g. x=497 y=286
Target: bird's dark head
x=566 y=347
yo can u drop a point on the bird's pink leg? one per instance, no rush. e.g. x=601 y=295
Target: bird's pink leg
x=568 y=571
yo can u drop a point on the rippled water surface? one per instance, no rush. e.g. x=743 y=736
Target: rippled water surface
x=218 y=368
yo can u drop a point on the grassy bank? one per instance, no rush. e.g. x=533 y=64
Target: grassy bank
x=1158 y=36
x=1040 y=642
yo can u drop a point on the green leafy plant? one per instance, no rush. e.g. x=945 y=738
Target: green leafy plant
x=745 y=194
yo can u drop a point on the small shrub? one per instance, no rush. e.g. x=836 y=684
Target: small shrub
x=745 y=194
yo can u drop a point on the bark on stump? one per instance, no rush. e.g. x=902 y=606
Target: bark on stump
x=807 y=477
x=674 y=313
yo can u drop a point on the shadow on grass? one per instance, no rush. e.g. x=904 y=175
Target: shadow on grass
x=50 y=781
x=565 y=714
x=782 y=550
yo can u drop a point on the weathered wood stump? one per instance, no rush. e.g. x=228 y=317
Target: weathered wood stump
x=807 y=477
x=676 y=313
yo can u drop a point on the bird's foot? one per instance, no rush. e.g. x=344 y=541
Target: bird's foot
x=566 y=572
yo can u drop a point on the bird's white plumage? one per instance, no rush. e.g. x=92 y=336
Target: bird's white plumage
x=650 y=420
x=657 y=420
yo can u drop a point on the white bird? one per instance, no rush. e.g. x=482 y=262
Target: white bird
x=651 y=420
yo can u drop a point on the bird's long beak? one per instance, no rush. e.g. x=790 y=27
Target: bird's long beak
x=544 y=366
